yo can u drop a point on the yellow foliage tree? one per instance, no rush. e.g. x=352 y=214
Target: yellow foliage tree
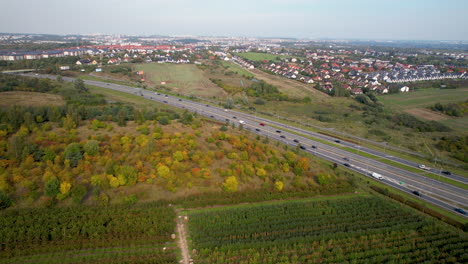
x=261 y=172
x=113 y=181
x=230 y=184
x=163 y=170
x=279 y=185
x=65 y=188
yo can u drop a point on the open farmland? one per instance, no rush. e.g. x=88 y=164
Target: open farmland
x=353 y=228
x=117 y=234
x=186 y=78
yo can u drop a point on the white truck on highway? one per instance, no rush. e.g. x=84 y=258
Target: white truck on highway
x=376 y=175
x=242 y=121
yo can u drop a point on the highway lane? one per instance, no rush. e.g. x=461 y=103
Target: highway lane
x=454 y=196
x=361 y=149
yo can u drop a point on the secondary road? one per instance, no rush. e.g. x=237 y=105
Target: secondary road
x=434 y=191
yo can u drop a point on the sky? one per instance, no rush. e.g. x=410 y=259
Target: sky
x=314 y=19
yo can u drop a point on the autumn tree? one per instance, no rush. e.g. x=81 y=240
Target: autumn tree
x=230 y=184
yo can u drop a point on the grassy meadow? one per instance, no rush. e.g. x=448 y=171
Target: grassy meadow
x=181 y=78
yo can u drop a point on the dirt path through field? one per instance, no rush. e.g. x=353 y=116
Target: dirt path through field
x=182 y=241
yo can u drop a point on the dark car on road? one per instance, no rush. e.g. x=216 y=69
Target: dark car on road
x=461 y=211
x=295 y=140
x=277 y=131
x=314 y=147
x=446 y=172
x=338 y=141
x=257 y=129
x=302 y=147
x=416 y=193
x=282 y=136
x=347 y=164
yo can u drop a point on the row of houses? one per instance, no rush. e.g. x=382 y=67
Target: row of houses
x=34 y=55
x=242 y=62
x=89 y=50
x=410 y=75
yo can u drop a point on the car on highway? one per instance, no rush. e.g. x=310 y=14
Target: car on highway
x=227 y=119
x=347 y=164
x=446 y=172
x=180 y=100
x=257 y=129
x=346 y=158
x=165 y=95
x=295 y=140
x=338 y=141
x=314 y=147
x=234 y=117
x=282 y=136
x=242 y=121
x=207 y=106
x=165 y=102
x=211 y=116
x=422 y=166
x=262 y=124
x=416 y=193
x=277 y=131
x=302 y=147
x=461 y=211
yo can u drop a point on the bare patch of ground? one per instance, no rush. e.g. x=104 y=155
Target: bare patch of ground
x=427 y=114
x=11 y=98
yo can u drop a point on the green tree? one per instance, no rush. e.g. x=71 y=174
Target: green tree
x=5 y=201
x=80 y=86
x=78 y=192
x=91 y=147
x=122 y=117
x=52 y=188
x=73 y=154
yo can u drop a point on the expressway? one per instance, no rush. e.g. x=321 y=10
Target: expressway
x=442 y=194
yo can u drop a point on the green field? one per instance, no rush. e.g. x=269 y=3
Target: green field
x=237 y=69
x=424 y=98
x=255 y=56
x=130 y=234
x=186 y=79
x=359 y=229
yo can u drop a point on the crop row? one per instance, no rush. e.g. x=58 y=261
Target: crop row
x=39 y=231
x=360 y=229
